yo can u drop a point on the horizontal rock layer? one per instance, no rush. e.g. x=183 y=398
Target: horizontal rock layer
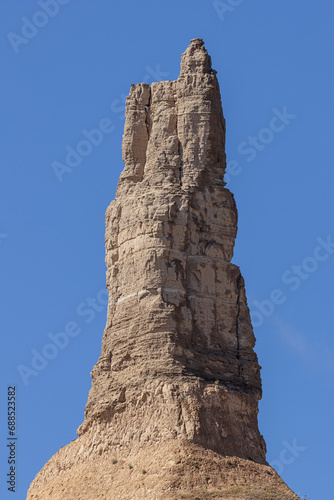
x=90 y=468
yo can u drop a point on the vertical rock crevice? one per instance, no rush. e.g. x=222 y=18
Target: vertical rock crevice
x=239 y=278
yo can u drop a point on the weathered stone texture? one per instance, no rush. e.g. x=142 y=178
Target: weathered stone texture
x=177 y=311
x=177 y=363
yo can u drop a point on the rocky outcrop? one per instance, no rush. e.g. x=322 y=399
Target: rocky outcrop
x=177 y=383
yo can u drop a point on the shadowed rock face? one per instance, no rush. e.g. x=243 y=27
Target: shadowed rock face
x=177 y=383
x=178 y=329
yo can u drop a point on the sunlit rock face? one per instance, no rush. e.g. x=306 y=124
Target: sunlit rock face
x=178 y=334
x=177 y=381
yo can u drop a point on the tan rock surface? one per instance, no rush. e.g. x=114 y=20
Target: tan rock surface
x=172 y=411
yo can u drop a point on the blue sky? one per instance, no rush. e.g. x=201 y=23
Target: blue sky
x=67 y=68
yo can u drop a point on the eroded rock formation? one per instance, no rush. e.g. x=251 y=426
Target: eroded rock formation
x=177 y=379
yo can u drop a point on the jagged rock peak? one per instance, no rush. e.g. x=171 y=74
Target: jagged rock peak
x=196 y=58
x=174 y=133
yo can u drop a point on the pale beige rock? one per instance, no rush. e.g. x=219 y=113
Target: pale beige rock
x=177 y=382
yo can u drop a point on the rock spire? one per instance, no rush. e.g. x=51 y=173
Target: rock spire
x=178 y=323
x=178 y=381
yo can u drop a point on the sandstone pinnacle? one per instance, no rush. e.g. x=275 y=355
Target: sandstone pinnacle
x=174 y=398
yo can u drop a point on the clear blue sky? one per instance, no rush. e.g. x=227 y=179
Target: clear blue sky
x=72 y=73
